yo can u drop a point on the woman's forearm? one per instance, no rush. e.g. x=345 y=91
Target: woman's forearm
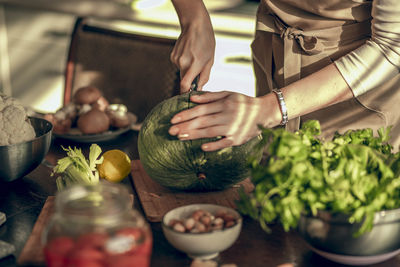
x=316 y=91
x=189 y=11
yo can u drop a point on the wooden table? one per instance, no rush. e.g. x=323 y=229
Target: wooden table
x=22 y=201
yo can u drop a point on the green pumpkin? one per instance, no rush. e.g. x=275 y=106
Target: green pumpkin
x=182 y=165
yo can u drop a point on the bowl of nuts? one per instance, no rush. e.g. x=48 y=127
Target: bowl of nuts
x=202 y=230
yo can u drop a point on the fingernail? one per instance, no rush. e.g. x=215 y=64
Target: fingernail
x=173 y=131
x=184 y=135
x=176 y=119
x=204 y=147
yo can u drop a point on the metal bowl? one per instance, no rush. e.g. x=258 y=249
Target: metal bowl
x=18 y=160
x=327 y=233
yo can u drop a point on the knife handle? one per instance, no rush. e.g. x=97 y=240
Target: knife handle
x=194 y=85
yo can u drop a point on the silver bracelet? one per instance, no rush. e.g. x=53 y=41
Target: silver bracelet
x=282 y=106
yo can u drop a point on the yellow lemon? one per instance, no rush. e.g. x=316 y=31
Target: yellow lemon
x=115 y=167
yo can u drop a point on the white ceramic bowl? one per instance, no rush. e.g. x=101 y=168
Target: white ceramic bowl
x=205 y=245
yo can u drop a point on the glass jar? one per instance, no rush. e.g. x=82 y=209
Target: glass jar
x=95 y=225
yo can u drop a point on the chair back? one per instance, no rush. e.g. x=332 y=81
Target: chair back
x=130 y=69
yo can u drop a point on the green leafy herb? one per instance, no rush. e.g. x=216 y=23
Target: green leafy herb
x=355 y=173
x=76 y=169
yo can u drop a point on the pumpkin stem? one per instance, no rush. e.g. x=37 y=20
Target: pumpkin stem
x=201 y=176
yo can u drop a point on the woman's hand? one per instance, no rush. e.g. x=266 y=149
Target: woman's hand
x=194 y=50
x=233 y=116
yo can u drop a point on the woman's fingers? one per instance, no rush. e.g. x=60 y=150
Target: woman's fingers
x=235 y=117
x=217 y=124
x=176 y=52
x=189 y=77
x=214 y=109
x=209 y=132
x=204 y=75
x=192 y=70
x=197 y=111
x=220 y=144
x=193 y=119
x=209 y=97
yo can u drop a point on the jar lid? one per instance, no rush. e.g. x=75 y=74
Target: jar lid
x=103 y=200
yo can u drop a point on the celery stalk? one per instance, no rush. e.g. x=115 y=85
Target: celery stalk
x=76 y=169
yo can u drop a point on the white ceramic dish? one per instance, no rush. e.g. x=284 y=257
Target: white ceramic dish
x=356 y=260
x=201 y=245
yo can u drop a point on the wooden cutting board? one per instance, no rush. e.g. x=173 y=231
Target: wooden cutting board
x=156 y=200
x=32 y=253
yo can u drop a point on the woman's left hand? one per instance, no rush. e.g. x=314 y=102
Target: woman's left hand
x=233 y=116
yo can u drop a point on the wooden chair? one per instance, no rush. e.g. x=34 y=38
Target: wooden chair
x=130 y=69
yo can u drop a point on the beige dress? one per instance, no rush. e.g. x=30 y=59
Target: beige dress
x=296 y=38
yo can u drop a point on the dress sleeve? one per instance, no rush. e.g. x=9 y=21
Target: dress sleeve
x=378 y=60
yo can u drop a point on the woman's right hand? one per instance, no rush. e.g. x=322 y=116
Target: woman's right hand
x=194 y=50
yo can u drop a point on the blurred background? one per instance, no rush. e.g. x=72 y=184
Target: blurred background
x=35 y=37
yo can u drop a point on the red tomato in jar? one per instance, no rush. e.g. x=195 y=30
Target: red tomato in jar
x=86 y=264
x=129 y=260
x=56 y=251
x=145 y=247
x=93 y=240
x=143 y=240
x=136 y=233
x=86 y=256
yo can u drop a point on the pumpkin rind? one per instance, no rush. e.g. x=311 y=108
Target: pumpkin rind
x=182 y=165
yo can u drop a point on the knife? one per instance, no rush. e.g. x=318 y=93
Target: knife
x=194 y=85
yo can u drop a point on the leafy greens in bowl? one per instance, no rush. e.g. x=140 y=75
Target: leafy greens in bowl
x=355 y=173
